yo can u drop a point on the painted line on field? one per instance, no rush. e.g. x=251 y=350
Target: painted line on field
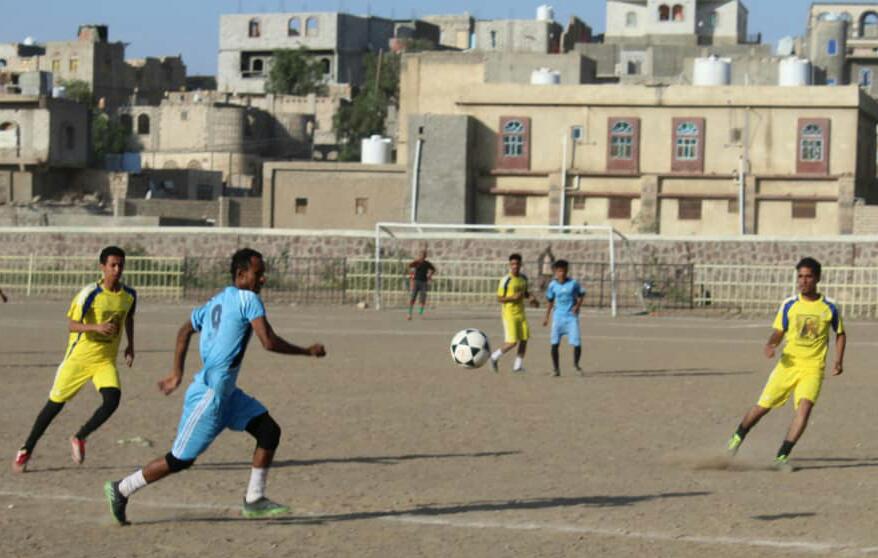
x=803 y=546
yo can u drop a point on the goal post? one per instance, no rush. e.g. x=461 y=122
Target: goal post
x=476 y=277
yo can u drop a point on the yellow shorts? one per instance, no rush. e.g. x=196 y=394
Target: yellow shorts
x=72 y=375
x=515 y=329
x=785 y=380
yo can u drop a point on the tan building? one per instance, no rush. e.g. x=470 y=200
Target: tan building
x=332 y=195
x=648 y=159
x=41 y=141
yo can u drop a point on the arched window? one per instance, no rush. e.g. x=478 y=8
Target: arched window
x=869 y=25
x=257 y=65
x=622 y=140
x=664 y=13
x=127 y=123
x=2 y=62
x=679 y=12
x=143 y=124
x=687 y=142
x=311 y=27
x=326 y=66
x=812 y=143
x=69 y=137
x=294 y=27
x=631 y=19
x=253 y=28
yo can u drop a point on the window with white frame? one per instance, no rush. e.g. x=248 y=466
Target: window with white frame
x=687 y=142
x=513 y=138
x=622 y=140
x=811 y=148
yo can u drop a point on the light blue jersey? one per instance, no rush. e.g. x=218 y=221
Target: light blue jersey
x=564 y=295
x=224 y=323
x=564 y=322
x=213 y=402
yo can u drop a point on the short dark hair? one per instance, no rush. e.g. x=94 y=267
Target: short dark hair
x=111 y=251
x=561 y=264
x=515 y=257
x=241 y=261
x=811 y=264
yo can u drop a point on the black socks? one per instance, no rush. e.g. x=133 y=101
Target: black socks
x=111 y=397
x=46 y=416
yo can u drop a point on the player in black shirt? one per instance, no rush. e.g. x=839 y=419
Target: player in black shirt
x=421 y=273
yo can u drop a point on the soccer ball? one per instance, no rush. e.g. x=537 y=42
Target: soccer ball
x=470 y=348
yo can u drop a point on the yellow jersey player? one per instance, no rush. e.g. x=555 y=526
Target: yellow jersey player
x=95 y=321
x=511 y=293
x=804 y=322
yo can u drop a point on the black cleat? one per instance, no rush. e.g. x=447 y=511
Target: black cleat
x=117 y=502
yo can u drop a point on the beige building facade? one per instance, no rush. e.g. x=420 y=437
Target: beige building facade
x=332 y=195
x=655 y=159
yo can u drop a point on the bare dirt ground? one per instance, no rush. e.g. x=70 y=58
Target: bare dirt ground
x=390 y=450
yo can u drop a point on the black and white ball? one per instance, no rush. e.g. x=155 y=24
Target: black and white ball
x=470 y=348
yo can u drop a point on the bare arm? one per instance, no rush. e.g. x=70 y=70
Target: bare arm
x=772 y=343
x=276 y=344
x=172 y=381
x=129 y=332
x=107 y=328
x=548 y=312
x=578 y=304
x=840 y=343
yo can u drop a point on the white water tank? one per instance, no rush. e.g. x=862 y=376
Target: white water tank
x=545 y=13
x=712 y=71
x=545 y=76
x=28 y=41
x=59 y=92
x=375 y=150
x=794 y=72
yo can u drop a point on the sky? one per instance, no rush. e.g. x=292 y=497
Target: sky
x=190 y=27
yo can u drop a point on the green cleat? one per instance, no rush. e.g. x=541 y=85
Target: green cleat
x=117 y=502
x=263 y=507
x=734 y=443
x=782 y=464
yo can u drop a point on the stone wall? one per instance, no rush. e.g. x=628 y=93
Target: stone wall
x=216 y=242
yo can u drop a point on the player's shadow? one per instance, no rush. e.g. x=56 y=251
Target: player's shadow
x=432 y=510
x=670 y=373
x=818 y=463
x=376 y=460
x=782 y=516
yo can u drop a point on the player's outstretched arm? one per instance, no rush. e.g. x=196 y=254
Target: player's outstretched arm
x=772 y=343
x=276 y=344
x=129 y=332
x=840 y=343
x=172 y=381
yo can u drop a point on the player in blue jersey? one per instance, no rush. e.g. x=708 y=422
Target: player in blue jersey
x=213 y=402
x=565 y=296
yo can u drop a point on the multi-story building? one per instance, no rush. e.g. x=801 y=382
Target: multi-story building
x=41 y=141
x=651 y=159
x=842 y=41
x=338 y=40
x=95 y=60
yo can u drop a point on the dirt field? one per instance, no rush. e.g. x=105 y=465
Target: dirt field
x=390 y=450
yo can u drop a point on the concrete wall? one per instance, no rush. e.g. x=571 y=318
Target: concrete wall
x=454 y=30
x=517 y=35
x=330 y=194
x=508 y=67
x=35 y=131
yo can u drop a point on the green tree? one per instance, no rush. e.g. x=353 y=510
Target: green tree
x=107 y=136
x=366 y=114
x=78 y=90
x=295 y=72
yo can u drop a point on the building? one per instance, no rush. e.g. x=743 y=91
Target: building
x=338 y=40
x=95 y=60
x=650 y=41
x=842 y=41
x=42 y=140
x=455 y=31
x=203 y=131
x=643 y=159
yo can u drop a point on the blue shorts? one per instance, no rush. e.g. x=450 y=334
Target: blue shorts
x=205 y=415
x=566 y=325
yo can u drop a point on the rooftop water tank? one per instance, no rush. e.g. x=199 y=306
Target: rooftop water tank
x=28 y=41
x=375 y=151
x=545 y=13
x=545 y=76
x=794 y=72
x=712 y=71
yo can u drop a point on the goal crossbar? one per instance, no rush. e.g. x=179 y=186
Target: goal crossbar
x=501 y=232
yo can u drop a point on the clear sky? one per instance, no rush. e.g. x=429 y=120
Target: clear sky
x=190 y=27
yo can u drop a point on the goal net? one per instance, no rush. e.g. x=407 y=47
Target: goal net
x=471 y=259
